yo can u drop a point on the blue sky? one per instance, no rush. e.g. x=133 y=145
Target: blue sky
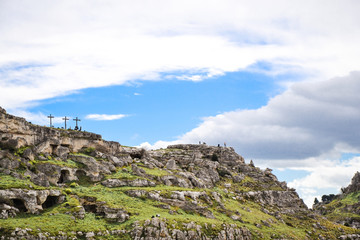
x=160 y=110
x=279 y=83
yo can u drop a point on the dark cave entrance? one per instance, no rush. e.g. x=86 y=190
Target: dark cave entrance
x=50 y=201
x=90 y=208
x=138 y=155
x=80 y=173
x=64 y=176
x=53 y=148
x=19 y=204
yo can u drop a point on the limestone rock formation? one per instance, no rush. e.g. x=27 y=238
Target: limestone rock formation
x=347 y=205
x=89 y=188
x=32 y=201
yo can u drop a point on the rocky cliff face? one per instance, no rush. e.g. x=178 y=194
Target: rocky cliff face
x=16 y=132
x=63 y=184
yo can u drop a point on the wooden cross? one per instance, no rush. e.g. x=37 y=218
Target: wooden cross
x=65 y=118
x=51 y=117
x=77 y=120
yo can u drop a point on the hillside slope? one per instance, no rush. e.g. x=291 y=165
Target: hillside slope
x=342 y=208
x=66 y=184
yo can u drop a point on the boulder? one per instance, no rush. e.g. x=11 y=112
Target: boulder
x=29 y=154
x=172 y=180
x=171 y=164
x=62 y=152
x=131 y=183
x=9 y=164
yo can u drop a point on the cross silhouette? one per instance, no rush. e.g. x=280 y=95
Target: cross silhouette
x=65 y=118
x=77 y=120
x=51 y=117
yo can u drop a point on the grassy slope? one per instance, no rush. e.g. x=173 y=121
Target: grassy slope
x=336 y=209
x=59 y=218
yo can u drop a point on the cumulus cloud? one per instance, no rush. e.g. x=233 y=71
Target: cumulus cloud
x=105 y=117
x=53 y=49
x=307 y=127
x=307 y=120
x=329 y=175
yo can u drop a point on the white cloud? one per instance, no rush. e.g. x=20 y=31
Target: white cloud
x=297 y=129
x=48 y=50
x=310 y=119
x=105 y=117
x=307 y=120
x=325 y=176
x=36 y=118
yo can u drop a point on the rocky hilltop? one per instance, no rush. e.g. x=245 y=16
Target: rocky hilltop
x=342 y=208
x=66 y=184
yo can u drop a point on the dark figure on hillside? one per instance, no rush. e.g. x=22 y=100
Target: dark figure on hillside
x=219 y=145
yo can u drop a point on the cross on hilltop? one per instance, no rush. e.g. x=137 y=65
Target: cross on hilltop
x=76 y=120
x=65 y=120
x=51 y=117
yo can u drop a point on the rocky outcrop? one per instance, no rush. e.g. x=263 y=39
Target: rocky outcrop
x=354 y=186
x=286 y=201
x=32 y=201
x=84 y=179
x=158 y=229
x=132 y=183
x=16 y=132
x=347 y=203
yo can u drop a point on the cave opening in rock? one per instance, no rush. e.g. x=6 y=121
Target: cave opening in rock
x=53 y=148
x=19 y=204
x=138 y=155
x=50 y=201
x=90 y=208
x=64 y=176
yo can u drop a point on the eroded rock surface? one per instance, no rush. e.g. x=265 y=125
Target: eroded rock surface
x=82 y=177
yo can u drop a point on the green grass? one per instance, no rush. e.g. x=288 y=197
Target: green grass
x=335 y=209
x=156 y=171
x=68 y=163
x=350 y=199
x=7 y=181
x=19 y=152
x=55 y=223
x=120 y=174
x=59 y=218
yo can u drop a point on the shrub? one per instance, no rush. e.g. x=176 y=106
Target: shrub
x=68 y=191
x=88 y=150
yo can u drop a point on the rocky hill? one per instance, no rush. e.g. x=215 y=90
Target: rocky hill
x=66 y=184
x=342 y=208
